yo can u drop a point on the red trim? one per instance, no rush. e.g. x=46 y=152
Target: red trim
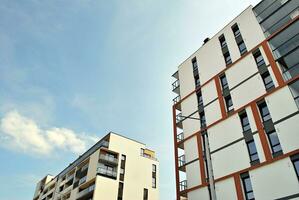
x=201 y=160
x=177 y=175
x=261 y=132
x=220 y=98
x=248 y=169
x=273 y=63
x=238 y=187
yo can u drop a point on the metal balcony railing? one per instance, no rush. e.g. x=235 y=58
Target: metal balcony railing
x=179 y=117
x=175 y=86
x=180 y=137
x=176 y=99
x=85 y=191
x=103 y=171
x=183 y=185
x=182 y=160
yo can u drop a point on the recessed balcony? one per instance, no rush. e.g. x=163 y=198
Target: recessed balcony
x=179 y=138
x=182 y=163
x=108 y=158
x=176 y=100
x=179 y=119
x=107 y=172
x=176 y=87
x=183 y=185
x=86 y=193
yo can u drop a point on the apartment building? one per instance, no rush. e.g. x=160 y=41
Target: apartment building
x=115 y=168
x=235 y=114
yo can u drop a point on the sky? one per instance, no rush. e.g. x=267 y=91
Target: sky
x=73 y=70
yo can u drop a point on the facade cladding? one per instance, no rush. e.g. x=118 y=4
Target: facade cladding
x=235 y=115
x=114 y=168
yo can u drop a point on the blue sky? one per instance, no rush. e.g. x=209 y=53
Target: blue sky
x=71 y=71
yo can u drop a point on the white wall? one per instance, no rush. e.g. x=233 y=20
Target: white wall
x=209 y=92
x=248 y=91
x=275 y=180
x=191 y=126
x=241 y=71
x=287 y=132
x=201 y=193
x=259 y=147
x=191 y=149
x=231 y=159
x=193 y=174
x=226 y=189
x=225 y=132
x=213 y=112
x=281 y=104
x=209 y=56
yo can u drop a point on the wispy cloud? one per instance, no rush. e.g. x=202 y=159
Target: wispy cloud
x=22 y=134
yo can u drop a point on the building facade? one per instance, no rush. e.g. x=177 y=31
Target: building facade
x=235 y=114
x=115 y=168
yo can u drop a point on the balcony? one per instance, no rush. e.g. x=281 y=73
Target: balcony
x=179 y=119
x=176 y=87
x=107 y=173
x=179 y=138
x=86 y=191
x=106 y=158
x=176 y=100
x=183 y=185
x=182 y=162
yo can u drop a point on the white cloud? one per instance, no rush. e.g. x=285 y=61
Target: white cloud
x=22 y=134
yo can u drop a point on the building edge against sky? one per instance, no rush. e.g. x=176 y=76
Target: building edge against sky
x=116 y=167
x=235 y=114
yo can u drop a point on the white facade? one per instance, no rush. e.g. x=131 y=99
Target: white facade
x=99 y=173
x=241 y=142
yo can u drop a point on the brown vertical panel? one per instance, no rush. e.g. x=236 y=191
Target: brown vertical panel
x=261 y=131
x=201 y=160
x=177 y=176
x=238 y=187
x=220 y=98
x=272 y=62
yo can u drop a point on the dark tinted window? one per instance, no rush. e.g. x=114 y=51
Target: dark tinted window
x=229 y=103
x=245 y=122
x=264 y=112
x=267 y=80
x=274 y=142
x=224 y=83
x=252 y=151
x=247 y=188
x=259 y=58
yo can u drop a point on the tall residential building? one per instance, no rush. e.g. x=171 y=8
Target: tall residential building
x=235 y=115
x=115 y=168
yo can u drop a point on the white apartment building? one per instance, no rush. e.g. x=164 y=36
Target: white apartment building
x=115 y=168
x=235 y=114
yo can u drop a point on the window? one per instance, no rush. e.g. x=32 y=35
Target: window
x=123 y=157
x=252 y=151
x=264 y=112
x=295 y=161
x=120 y=191
x=153 y=182
x=267 y=81
x=274 y=142
x=202 y=120
x=222 y=41
x=247 y=186
x=229 y=103
x=242 y=47
x=245 y=122
x=197 y=81
x=154 y=168
x=199 y=98
x=224 y=83
x=145 y=194
x=294 y=87
x=236 y=30
x=258 y=58
x=227 y=58
x=194 y=64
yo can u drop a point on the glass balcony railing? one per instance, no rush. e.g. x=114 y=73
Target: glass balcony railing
x=176 y=99
x=86 y=191
x=106 y=172
x=180 y=137
x=108 y=158
x=183 y=185
x=175 y=86
x=182 y=160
